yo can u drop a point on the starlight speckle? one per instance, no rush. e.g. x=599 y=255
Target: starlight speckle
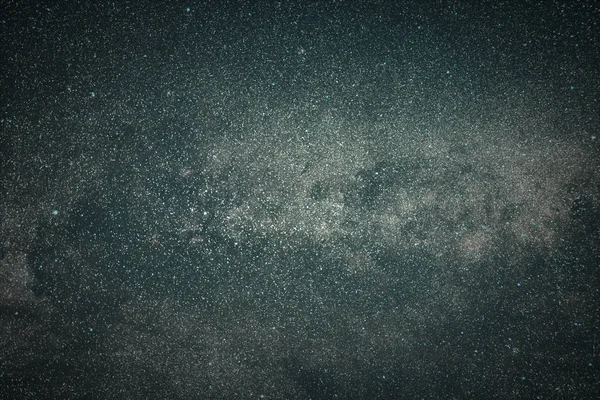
x=290 y=201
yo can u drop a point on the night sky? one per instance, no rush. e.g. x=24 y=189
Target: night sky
x=299 y=199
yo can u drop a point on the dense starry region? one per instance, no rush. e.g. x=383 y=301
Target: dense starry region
x=300 y=200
